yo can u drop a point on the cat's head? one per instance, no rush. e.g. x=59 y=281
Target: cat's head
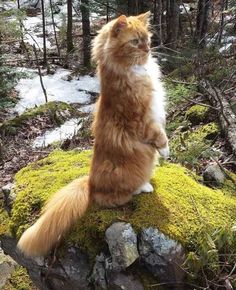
x=124 y=41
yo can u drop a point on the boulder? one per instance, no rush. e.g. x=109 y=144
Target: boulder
x=8 y=196
x=162 y=256
x=122 y=243
x=7 y=267
x=213 y=176
x=162 y=220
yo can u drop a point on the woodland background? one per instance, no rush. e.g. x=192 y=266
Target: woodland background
x=48 y=85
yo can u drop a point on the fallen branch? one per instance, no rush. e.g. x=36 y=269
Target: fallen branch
x=227 y=116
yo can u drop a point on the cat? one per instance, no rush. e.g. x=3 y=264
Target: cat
x=128 y=128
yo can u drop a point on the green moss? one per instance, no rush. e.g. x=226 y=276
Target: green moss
x=187 y=147
x=178 y=93
x=53 y=109
x=19 y=280
x=178 y=206
x=36 y=182
x=4 y=219
x=197 y=114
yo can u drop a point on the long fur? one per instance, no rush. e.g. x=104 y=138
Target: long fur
x=62 y=210
x=128 y=129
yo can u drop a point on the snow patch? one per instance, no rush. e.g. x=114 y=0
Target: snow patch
x=65 y=131
x=58 y=89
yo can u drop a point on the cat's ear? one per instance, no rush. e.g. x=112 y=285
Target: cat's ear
x=145 y=18
x=119 y=25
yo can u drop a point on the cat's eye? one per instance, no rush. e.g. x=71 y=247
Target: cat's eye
x=134 y=41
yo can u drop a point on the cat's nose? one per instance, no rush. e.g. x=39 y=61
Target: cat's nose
x=145 y=48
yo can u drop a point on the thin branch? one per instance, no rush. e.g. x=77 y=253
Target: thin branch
x=40 y=75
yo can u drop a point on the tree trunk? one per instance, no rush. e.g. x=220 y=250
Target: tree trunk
x=70 y=45
x=44 y=34
x=54 y=29
x=84 y=8
x=122 y=6
x=172 y=22
x=202 y=22
x=223 y=4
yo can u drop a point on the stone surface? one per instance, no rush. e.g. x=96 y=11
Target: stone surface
x=122 y=281
x=98 y=277
x=68 y=271
x=8 y=196
x=122 y=243
x=7 y=267
x=161 y=255
x=213 y=175
x=104 y=278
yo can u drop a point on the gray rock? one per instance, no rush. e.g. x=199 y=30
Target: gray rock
x=122 y=243
x=6 y=189
x=7 y=267
x=8 y=196
x=161 y=255
x=122 y=281
x=213 y=176
x=98 y=277
x=60 y=272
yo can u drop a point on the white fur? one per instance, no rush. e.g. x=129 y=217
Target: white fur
x=146 y=187
x=151 y=69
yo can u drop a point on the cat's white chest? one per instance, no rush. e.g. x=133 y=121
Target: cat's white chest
x=158 y=97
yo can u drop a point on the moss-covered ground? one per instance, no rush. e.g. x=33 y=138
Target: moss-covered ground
x=52 y=109
x=179 y=206
x=19 y=280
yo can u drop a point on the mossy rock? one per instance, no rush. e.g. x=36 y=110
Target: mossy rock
x=177 y=207
x=53 y=109
x=4 y=219
x=197 y=114
x=19 y=280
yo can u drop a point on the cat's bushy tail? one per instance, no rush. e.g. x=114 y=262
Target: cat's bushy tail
x=59 y=214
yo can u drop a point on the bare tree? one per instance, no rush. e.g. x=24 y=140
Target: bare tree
x=84 y=8
x=54 y=29
x=172 y=22
x=202 y=21
x=44 y=34
x=70 y=45
x=223 y=6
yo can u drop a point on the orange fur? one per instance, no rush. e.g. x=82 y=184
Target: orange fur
x=126 y=136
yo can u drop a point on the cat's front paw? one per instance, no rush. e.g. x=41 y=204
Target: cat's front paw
x=164 y=152
x=146 y=187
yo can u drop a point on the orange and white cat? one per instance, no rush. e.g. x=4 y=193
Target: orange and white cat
x=128 y=129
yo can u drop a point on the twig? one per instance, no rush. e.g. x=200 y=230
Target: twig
x=177 y=283
x=40 y=75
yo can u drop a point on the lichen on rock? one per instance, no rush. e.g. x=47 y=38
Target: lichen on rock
x=178 y=206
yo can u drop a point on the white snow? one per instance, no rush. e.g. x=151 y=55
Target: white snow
x=58 y=89
x=88 y=108
x=184 y=8
x=34 y=32
x=225 y=48
x=67 y=130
